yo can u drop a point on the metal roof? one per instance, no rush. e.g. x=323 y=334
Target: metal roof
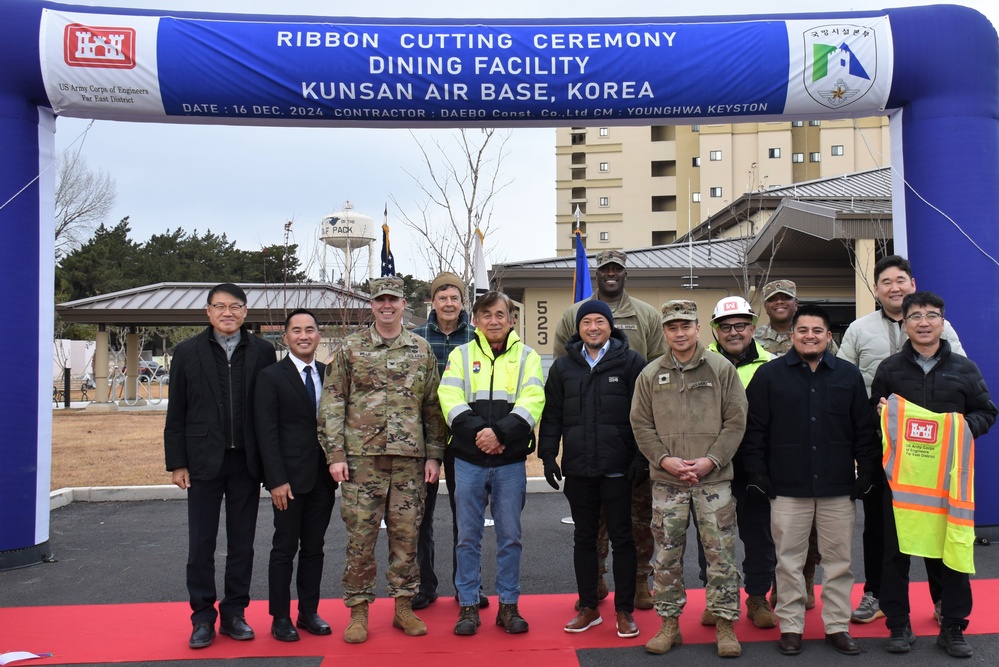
x=176 y=304
x=718 y=254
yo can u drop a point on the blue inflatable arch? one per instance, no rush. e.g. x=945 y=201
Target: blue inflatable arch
x=934 y=70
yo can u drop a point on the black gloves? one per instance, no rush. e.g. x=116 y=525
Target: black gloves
x=762 y=485
x=638 y=473
x=552 y=473
x=863 y=486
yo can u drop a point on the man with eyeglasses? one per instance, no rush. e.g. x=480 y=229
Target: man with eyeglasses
x=867 y=342
x=208 y=440
x=927 y=372
x=733 y=324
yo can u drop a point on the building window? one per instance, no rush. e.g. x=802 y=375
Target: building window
x=797 y=123
x=604 y=131
x=605 y=236
x=815 y=157
x=797 y=157
x=715 y=156
x=605 y=201
x=716 y=192
x=605 y=166
x=695 y=128
x=815 y=123
x=837 y=151
x=695 y=197
x=695 y=162
x=774 y=153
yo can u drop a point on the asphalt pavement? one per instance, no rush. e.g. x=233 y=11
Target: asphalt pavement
x=135 y=551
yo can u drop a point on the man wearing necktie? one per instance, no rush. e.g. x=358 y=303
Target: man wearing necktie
x=302 y=491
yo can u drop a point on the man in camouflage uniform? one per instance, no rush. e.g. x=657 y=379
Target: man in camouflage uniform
x=641 y=324
x=383 y=433
x=689 y=416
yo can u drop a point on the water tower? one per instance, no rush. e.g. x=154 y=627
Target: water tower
x=348 y=231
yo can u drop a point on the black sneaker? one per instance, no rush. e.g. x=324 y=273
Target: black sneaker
x=952 y=639
x=901 y=639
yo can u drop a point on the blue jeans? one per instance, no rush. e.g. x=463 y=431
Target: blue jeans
x=504 y=489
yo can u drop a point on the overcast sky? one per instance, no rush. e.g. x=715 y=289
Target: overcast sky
x=248 y=181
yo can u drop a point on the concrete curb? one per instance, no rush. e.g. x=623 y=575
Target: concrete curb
x=107 y=494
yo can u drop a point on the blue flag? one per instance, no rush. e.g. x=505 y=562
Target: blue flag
x=581 y=287
x=388 y=261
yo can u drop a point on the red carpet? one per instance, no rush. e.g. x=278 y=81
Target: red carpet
x=83 y=634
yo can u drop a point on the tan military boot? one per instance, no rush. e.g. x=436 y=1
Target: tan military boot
x=728 y=644
x=357 y=630
x=809 y=572
x=643 y=599
x=760 y=611
x=667 y=637
x=406 y=620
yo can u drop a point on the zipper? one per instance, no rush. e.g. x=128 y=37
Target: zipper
x=232 y=416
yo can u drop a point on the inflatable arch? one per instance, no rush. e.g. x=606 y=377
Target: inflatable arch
x=934 y=70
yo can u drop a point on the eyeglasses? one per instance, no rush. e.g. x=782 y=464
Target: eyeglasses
x=930 y=317
x=231 y=307
x=738 y=326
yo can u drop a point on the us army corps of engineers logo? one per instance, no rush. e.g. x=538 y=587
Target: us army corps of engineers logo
x=841 y=63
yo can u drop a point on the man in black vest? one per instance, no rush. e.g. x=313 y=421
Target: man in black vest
x=208 y=439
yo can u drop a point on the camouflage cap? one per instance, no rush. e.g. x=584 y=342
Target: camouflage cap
x=679 y=310
x=611 y=257
x=780 y=287
x=387 y=285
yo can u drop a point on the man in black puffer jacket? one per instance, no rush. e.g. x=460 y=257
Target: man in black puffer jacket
x=587 y=407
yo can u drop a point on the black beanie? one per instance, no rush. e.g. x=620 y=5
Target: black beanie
x=591 y=307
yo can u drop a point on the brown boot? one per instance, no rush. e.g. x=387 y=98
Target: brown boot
x=357 y=630
x=643 y=599
x=760 y=611
x=667 y=637
x=728 y=644
x=809 y=572
x=406 y=620
x=509 y=617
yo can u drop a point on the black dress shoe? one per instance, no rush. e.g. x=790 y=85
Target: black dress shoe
x=283 y=630
x=312 y=624
x=790 y=643
x=844 y=643
x=236 y=628
x=483 y=601
x=202 y=636
x=423 y=600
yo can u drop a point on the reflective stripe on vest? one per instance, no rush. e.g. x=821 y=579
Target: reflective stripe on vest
x=929 y=461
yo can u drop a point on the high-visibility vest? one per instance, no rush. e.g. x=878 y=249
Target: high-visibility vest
x=929 y=459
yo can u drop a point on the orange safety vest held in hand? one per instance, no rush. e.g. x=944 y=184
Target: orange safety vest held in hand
x=929 y=459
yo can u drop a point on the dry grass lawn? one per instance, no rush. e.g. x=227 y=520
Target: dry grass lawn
x=121 y=449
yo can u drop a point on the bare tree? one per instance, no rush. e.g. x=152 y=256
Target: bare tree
x=83 y=198
x=460 y=184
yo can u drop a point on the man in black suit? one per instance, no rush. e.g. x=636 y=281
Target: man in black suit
x=302 y=490
x=208 y=440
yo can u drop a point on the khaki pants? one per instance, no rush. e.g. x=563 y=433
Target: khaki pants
x=791 y=522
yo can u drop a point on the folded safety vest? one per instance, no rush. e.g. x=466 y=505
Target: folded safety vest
x=929 y=459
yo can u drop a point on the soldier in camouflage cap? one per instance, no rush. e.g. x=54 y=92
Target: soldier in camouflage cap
x=688 y=415
x=780 y=299
x=381 y=427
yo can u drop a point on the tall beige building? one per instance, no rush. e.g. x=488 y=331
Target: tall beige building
x=637 y=187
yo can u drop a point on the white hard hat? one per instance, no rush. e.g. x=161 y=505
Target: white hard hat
x=732 y=305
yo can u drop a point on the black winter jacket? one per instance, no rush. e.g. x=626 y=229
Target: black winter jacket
x=588 y=410
x=954 y=385
x=807 y=429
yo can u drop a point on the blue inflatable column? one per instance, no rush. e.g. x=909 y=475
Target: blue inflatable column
x=27 y=173
x=948 y=90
